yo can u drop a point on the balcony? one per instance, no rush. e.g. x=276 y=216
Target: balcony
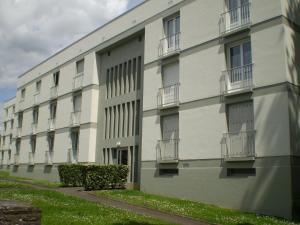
x=168 y=96
x=16 y=159
x=72 y=156
x=33 y=128
x=19 y=132
x=36 y=98
x=75 y=119
x=235 y=20
x=49 y=157
x=167 y=151
x=238 y=79
x=239 y=146
x=51 y=124
x=77 y=81
x=31 y=158
x=53 y=92
x=169 y=45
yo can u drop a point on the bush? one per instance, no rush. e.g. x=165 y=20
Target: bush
x=105 y=177
x=93 y=177
x=71 y=175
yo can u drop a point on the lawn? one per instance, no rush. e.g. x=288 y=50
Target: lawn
x=196 y=210
x=58 y=208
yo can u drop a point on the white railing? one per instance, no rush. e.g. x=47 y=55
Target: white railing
x=237 y=79
x=169 y=45
x=238 y=145
x=235 y=19
x=19 y=132
x=77 y=81
x=168 y=96
x=16 y=159
x=31 y=158
x=72 y=156
x=75 y=118
x=51 y=124
x=36 y=98
x=53 y=92
x=34 y=128
x=49 y=157
x=167 y=150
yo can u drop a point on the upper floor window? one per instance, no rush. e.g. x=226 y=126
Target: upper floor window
x=23 y=92
x=20 y=119
x=172 y=26
x=12 y=124
x=38 y=85
x=53 y=107
x=35 y=115
x=56 y=78
x=5 y=126
x=13 y=109
x=80 y=66
x=77 y=102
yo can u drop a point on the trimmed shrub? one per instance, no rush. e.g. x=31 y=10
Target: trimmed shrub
x=105 y=177
x=71 y=175
x=93 y=177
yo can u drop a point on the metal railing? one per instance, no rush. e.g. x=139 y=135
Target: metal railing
x=75 y=118
x=49 y=157
x=53 y=92
x=238 y=145
x=169 y=45
x=72 y=156
x=237 y=79
x=51 y=124
x=36 y=98
x=167 y=150
x=168 y=96
x=78 y=81
x=34 y=127
x=16 y=159
x=31 y=158
x=235 y=19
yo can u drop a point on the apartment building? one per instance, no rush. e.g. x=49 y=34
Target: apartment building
x=199 y=98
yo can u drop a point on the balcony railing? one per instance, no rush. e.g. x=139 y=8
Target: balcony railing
x=168 y=96
x=235 y=19
x=77 y=81
x=31 y=158
x=168 y=45
x=237 y=79
x=53 y=92
x=72 y=156
x=167 y=151
x=49 y=157
x=34 y=128
x=51 y=124
x=75 y=118
x=16 y=159
x=19 y=132
x=239 y=146
x=36 y=98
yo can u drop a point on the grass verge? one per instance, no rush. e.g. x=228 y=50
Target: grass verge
x=196 y=210
x=58 y=208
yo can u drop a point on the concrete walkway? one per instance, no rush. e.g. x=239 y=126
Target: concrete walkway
x=79 y=193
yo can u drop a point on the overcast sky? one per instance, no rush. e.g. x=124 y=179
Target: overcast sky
x=33 y=30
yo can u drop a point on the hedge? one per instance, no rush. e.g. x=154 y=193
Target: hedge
x=93 y=177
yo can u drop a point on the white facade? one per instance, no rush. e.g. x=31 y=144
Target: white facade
x=212 y=94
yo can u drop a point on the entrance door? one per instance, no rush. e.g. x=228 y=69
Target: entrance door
x=123 y=157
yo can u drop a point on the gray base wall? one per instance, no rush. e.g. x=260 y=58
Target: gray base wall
x=39 y=172
x=267 y=192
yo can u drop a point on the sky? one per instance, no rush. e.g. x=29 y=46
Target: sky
x=33 y=30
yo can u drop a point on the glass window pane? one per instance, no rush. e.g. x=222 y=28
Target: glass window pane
x=235 y=56
x=247 y=55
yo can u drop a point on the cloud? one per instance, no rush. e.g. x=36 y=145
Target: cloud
x=32 y=30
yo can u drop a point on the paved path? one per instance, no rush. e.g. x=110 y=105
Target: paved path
x=78 y=192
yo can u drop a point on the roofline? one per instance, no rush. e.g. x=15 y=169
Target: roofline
x=104 y=25
x=7 y=100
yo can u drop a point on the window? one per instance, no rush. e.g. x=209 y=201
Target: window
x=53 y=107
x=23 y=92
x=20 y=119
x=172 y=26
x=77 y=102
x=12 y=124
x=10 y=139
x=38 y=85
x=33 y=143
x=13 y=109
x=170 y=127
x=35 y=115
x=5 y=126
x=238 y=172
x=168 y=172
x=51 y=141
x=240 y=55
x=56 y=79
x=80 y=66
x=18 y=146
x=239 y=12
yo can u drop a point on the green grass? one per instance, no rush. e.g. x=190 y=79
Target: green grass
x=46 y=183
x=58 y=208
x=196 y=210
